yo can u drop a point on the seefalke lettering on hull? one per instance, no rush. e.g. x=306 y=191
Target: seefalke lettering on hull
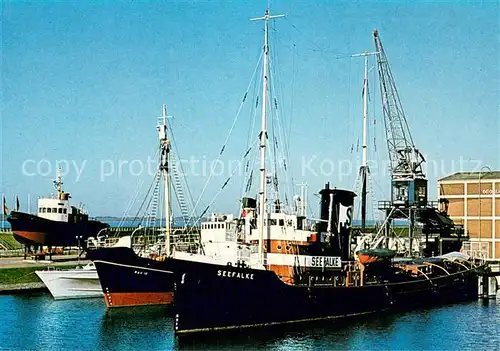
x=237 y=275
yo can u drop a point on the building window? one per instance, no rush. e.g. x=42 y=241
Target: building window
x=282 y=222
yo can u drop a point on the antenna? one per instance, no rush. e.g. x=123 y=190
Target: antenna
x=58 y=183
x=263 y=133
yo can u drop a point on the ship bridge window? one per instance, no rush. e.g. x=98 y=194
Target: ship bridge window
x=270 y=222
x=49 y=210
x=54 y=210
x=65 y=210
x=282 y=222
x=60 y=210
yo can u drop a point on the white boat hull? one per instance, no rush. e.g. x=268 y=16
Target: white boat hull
x=72 y=284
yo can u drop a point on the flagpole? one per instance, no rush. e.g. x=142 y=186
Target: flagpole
x=3 y=213
x=29 y=204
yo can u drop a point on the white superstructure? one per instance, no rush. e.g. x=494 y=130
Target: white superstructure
x=57 y=207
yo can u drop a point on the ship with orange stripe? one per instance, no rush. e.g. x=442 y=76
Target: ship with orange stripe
x=131 y=277
x=56 y=224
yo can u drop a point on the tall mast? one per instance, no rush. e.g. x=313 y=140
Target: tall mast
x=363 y=170
x=164 y=169
x=263 y=134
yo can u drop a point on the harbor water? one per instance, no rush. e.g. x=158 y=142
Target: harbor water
x=35 y=321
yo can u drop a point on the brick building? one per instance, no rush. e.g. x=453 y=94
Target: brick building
x=474 y=202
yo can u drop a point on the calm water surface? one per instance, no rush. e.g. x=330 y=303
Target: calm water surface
x=37 y=322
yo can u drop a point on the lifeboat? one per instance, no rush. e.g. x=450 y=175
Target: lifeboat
x=375 y=255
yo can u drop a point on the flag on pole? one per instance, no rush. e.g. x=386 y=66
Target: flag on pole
x=17 y=203
x=5 y=208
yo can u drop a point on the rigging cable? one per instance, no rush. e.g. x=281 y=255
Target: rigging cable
x=281 y=139
x=179 y=164
x=253 y=117
x=136 y=194
x=225 y=183
x=229 y=134
x=318 y=48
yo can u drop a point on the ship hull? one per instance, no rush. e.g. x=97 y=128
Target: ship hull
x=33 y=230
x=71 y=284
x=129 y=280
x=212 y=297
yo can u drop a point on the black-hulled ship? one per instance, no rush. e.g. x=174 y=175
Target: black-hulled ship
x=318 y=280
x=299 y=272
x=130 y=277
x=56 y=224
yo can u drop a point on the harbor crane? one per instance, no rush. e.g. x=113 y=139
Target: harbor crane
x=408 y=181
x=409 y=196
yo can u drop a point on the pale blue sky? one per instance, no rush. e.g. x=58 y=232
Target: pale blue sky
x=86 y=81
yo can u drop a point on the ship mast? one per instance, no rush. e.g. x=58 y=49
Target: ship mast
x=364 y=170
x=164 y=169
x=58 y=183
x=263 y=134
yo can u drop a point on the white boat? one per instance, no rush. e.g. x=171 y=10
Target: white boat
x=72 y=283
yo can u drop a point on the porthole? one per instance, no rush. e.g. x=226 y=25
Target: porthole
x=278 y=247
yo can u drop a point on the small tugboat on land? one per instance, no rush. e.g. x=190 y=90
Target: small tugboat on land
x=56 y=224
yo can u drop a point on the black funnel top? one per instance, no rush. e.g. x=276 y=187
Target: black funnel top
x=342 y=203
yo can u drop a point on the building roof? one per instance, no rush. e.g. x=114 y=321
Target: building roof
x=472 y=175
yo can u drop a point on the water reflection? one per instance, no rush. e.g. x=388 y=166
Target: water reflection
x=329 y=334
x=37 y=322
x=123 y=327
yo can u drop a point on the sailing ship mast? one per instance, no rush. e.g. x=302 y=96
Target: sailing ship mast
x=364 y=170
x=164 y=169
x=263 y=134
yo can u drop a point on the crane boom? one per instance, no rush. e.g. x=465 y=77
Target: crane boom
x=406 y=160
x=409 y=184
